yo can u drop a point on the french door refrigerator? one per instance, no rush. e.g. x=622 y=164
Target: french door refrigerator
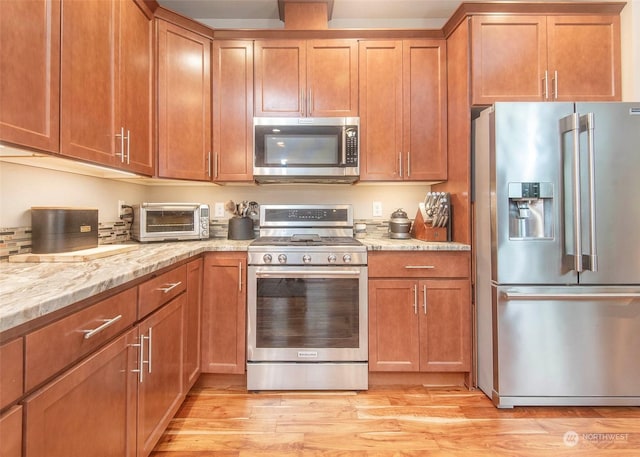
x=557 y=250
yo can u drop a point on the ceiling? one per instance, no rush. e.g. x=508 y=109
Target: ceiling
x=257 y=14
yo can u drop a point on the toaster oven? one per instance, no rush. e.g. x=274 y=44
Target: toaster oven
x=170 y=222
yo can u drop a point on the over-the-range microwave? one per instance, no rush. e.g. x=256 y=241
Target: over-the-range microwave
x=170 y=222
x=307 y=149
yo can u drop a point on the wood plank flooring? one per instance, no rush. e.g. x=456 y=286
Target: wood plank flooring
x=390 y=421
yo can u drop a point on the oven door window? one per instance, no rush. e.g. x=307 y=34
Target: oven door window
x=170 y=221
x=307 y=313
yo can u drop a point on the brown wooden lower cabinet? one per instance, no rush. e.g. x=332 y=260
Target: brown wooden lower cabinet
x=422 y=323
x=193 y=323
x=90 y=410
x=161 y=386
x=224 y=297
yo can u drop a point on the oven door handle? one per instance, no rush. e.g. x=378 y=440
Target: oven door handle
x=304 y=273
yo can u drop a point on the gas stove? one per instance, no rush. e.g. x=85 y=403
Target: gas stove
x=306 y=235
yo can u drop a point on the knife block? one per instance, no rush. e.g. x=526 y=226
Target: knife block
x=423 y=231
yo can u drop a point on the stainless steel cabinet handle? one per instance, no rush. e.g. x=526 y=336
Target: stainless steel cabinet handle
x=209 y=164
x=216 y=159
x=420 y=267
x=424 y=299
x=170 y=287
x=546 y=84
x=128 y=146
x=571 y=124
x=555 y=84
x=106 y=323
x=587 y=124
x=415 y=299
x=581 y=297
x=121 y=136
x=400 y=162
x=240 y=276
x=141 y=362
x=149 y=351
x=310 y=103
x=408 y=164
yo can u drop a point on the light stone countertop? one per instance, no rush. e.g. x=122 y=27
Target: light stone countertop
x=32 y=290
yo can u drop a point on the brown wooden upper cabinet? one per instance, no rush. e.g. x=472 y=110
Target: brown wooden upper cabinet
x=306 y=78
x=232 y=70
x=106 y=84
x=30 y=69
x=403 y=110
x=184 y=103
x=536 y=58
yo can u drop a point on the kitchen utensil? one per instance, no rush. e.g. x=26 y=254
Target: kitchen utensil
x=399 y=225
x=231 y=207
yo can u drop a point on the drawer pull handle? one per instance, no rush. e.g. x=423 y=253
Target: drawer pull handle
x=170 y=287
x=106 y=323
x=420 y=267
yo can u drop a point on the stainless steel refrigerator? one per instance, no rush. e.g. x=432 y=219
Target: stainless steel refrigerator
x=557 y=250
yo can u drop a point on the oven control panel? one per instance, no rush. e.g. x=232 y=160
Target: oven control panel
x=336 y=256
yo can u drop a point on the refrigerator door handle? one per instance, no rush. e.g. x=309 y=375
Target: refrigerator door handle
x=571 y=124
x=587 y=124
x=551 y=296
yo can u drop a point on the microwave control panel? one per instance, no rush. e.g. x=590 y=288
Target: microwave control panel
x=351 y=142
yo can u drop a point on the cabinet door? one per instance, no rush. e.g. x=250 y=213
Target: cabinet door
x=193 y=321
x=184 y=103
x=94 y=403
x=425 y=109
x=232 y=68
x=30 y=69
x=584 y=57
x=89 y=82
x=508 y=59
x=136 y=89
x=445 y=325
x=332 y=78
x=12 y=369
x=380 y=88
x=280 y=78
x=161 y=388
x=393 y=325
x=224 y=314
x=11 y=432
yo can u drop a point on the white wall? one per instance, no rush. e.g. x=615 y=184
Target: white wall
x=22 y=187
x=630 y=25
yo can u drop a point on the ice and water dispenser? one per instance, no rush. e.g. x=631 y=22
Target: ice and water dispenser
x=530 y=210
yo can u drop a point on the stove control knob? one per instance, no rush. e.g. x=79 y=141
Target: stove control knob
x=306 y=258
x=282 y=258
x=332 y=258
x=346 y=258
x=267 y=258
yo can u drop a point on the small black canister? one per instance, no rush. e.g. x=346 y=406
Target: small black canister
x=240 y=228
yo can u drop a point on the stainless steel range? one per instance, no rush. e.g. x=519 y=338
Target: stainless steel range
x=307 y=301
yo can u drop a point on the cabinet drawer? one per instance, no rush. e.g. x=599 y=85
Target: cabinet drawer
x=403 y=264
x=60 y=344
x=11 y=367
x=161 y=289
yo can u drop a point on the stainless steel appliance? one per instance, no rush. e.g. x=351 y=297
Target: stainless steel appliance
x=323 y=150
x=557 y=264
x=170 y=222
x=307 y=300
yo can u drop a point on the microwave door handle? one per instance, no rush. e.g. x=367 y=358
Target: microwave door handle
x=343 y=160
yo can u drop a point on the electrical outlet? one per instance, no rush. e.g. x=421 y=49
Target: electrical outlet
x=120 y=212
x=377 y=209
x=218 y=209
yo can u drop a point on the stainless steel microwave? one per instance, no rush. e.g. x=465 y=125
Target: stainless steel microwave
x=308 y=149
x=170 y=222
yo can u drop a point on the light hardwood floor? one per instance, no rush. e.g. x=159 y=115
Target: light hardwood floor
x=390 y=421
